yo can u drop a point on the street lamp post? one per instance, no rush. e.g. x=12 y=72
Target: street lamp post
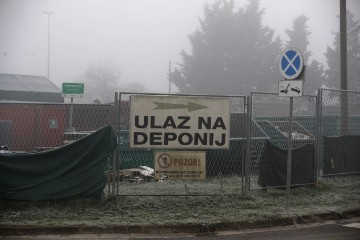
x=48 y=68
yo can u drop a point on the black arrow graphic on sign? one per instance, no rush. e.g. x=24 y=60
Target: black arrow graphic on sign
x=190 y=106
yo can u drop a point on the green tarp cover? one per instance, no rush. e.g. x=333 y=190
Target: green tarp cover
x=342 y=154
x=73 y=171
x=273 y=165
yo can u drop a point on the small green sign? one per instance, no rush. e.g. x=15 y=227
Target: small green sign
x=53 y=123
x=73 y=89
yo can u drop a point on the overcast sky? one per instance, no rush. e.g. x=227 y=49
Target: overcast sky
x=139 y=37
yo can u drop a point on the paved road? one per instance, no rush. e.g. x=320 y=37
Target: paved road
x=308 y=232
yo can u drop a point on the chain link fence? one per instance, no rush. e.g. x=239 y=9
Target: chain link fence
x=34 y=127
x=224 y=167
x=325 y=139
x=269 y=119
x=339 y=130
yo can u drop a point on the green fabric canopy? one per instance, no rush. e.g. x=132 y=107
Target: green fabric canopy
x=75 y=170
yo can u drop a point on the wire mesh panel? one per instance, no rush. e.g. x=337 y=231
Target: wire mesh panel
x=27 y=127
x=38 y=127
x=269 y=139
x=339 y=139
x=224 y=167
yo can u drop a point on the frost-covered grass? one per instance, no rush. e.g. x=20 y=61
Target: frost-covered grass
x=330 y=195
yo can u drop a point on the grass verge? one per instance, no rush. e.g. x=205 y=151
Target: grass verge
x=330 y=195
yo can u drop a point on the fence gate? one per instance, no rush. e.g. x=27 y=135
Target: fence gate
x=224 y=167
x=269 y=126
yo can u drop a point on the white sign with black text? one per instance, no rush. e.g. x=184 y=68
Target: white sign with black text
x=179 y=122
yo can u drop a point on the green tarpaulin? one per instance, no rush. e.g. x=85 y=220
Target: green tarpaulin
x=273 y=165
x=341 y=154
x=75 y=170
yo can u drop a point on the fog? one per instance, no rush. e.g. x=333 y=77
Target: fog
x=139 y=37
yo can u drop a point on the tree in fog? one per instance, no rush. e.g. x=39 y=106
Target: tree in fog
x=232 y=53
x=134 y=87
x=101 y=80
x=298 y=37
x=353 y=56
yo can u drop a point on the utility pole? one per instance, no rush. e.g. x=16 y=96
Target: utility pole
x=48 y=67
x=343 y=45
x=343 y=68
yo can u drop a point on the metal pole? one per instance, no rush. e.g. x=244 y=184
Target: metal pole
x=115 y=155
x=288 y=169
x=48 y=68
x=318 y=135
x=71 y=129
x=248 y=143
x=169 y=77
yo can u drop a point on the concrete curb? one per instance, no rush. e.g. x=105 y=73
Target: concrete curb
x=179 y=228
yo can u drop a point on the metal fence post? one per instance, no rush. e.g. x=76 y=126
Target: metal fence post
x=248 y=143
x=118 y=135
x=114 y=170
x=318 y=134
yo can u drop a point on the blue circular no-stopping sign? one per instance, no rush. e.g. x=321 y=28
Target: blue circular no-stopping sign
x=291 y=63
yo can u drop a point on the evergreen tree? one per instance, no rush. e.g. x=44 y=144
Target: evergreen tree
x=232 y=53
x=353 y=57
x=298 y=37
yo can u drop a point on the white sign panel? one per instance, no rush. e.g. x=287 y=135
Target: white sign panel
x=180 y=165
x=179 y=122
x=291 y=88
